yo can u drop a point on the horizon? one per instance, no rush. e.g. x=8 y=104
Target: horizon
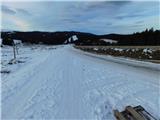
x=81 y=31
x=104 y=17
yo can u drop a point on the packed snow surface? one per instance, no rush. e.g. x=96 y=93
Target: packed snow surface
x=60 y=82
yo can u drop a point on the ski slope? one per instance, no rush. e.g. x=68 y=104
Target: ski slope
x=61 y=82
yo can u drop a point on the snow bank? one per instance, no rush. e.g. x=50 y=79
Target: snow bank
x=147 y=50
x=110 y=41
x=118 y=49
x=126 y=61
x=17 y=42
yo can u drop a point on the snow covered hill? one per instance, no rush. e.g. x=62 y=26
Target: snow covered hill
x=60 y=82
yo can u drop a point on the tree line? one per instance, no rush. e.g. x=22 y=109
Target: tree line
x=147 y=37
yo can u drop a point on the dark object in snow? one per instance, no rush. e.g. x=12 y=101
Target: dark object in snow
x=133 y=113
x=5 y=71
x=12 y=61
x=20 y=61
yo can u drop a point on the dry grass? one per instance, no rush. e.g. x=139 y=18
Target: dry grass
x=136 y=52
x=123 y=47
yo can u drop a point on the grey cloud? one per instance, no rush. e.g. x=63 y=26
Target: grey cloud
x=119 y=3
x=25 y=12
x=128 y=26
x=109 y=24
x=128 y=16
x=7 y=10
x=139 y=22
x=94 y=9
x=136 y=26
x=69 y=20
x=105 y=4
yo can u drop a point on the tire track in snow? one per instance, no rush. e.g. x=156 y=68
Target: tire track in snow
x=26 y=88
x=75 y=86
x=71 y=103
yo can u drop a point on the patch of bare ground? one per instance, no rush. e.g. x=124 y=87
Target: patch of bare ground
x=145 y=53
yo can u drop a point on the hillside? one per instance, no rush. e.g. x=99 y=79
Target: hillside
x=52 y=38
x=147 y=37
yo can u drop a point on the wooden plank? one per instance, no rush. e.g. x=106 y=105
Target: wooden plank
x=134 y=113
x=118 y=115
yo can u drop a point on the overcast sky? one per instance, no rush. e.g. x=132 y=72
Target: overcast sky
x=95 y=17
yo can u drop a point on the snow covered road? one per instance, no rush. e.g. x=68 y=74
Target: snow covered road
x=66 y=83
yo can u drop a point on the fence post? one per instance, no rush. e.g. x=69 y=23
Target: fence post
x=14 y=51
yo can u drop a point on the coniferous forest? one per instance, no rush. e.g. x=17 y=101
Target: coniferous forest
x=146 y=37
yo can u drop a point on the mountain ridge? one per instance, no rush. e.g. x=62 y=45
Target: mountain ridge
x=148 y=37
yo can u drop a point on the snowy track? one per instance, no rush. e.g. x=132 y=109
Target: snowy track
x=65 y=83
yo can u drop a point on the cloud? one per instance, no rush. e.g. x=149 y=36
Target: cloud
x=139 y=22
x=70 y=20
x=24 y=12
x=119 y=3
x=89 y=6
x=109 y=24
x=7 y=10
x=128 y=16
x=96 y=17
x=20 y=23
x=89 y=11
